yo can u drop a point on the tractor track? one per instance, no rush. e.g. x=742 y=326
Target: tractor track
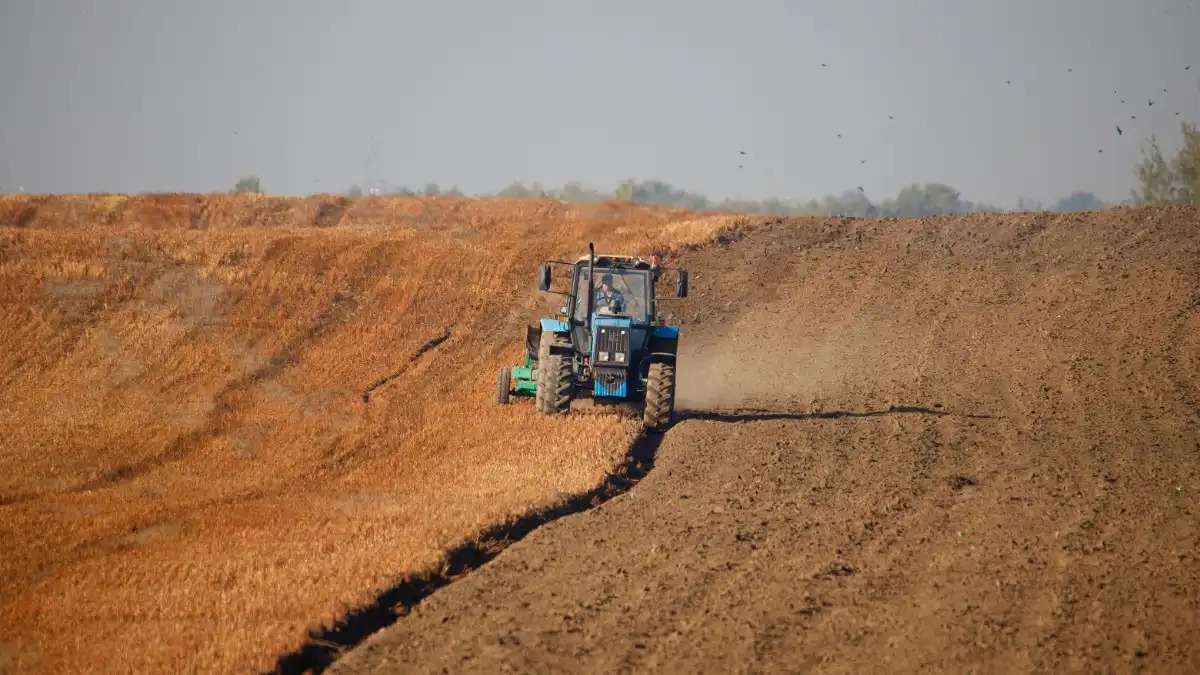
x=326 y=645
x=742 y=415
x=428 y=345
x=908 y=445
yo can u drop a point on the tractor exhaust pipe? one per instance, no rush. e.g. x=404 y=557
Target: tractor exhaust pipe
x=591 y=289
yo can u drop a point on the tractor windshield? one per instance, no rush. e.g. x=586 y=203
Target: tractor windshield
x=632 y=285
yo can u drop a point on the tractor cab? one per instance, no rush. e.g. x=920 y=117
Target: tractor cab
x=621 y=290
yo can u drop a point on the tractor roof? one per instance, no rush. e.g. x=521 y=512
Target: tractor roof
x=610 y=260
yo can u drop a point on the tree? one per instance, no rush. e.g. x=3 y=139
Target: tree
x=517 y=190
x=1156 y=177
x=1175 y=181
x=924 y=200
x=1029 y=204
x=576 y=192
x=1079 y=201
x=249 y=183
x=626 y=190
x=355 y=192
x=852 y=203
x=659 y=193
x=1186 y=167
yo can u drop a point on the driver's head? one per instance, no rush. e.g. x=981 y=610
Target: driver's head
x=606 y=281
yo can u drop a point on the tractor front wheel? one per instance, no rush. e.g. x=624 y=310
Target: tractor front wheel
x=660 y=397
x=553 y=376
x=555 y=386
x=503 y=385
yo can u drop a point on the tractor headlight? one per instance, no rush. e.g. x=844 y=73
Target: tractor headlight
x=603 y=356
x=620 y=357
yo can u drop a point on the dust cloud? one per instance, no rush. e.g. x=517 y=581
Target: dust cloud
x=771 y=360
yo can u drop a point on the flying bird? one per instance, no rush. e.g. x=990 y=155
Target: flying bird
x=1118 y=129
x=822 y=65
x=1151 y=102
x=860 y=189
x=839 y=135
x=742 y=151
x=863 y=162
x=890 y=117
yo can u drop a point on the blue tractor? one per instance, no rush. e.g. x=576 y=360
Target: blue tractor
x=608 y=342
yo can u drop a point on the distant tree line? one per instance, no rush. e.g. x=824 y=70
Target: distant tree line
x=917 y=199
x=430 y=190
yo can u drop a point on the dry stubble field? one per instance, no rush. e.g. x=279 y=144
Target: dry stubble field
x=214 y=434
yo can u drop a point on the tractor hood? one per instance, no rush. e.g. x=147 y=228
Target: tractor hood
x=616 y=350
x=615 y=341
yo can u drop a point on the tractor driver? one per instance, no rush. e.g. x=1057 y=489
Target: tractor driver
x=607 y=296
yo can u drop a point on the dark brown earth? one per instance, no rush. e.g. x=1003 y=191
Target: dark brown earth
x=955 y=444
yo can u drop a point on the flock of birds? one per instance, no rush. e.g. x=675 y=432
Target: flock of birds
x=1134 y=117
x=1149 y=103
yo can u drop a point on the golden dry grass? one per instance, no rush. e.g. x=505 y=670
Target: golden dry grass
x=189 y=475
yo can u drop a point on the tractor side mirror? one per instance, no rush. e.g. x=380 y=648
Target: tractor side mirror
x=544 y=277
x=681 y=283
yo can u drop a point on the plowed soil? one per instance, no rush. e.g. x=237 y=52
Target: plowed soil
x=954 y=444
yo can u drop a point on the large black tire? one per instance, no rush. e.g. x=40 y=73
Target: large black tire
x=503 y=385
x=546 y=383
x=660 y=397
x=555 y=385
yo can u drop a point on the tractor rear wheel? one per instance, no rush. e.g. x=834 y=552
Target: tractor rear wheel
x=503 y=385
x=660 y=397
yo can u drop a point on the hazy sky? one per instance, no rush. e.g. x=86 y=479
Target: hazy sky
x=166 y=95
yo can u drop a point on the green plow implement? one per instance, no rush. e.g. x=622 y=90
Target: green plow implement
x=517 y=381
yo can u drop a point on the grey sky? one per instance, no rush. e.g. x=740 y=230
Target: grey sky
x=157 y=95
